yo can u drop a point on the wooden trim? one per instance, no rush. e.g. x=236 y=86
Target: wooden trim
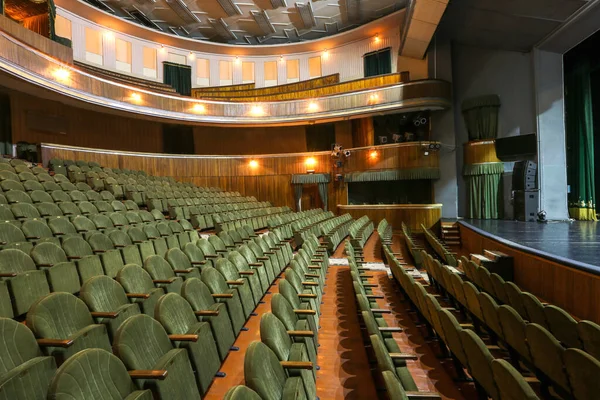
x=413 y=215
x=480 y=151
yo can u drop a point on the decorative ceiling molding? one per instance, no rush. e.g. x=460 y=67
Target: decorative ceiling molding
x=278 y=3
x=183 y=11
x=223 y=30
x=230 y=7
x=425 y=16
x=306 y=13
x=263 y=21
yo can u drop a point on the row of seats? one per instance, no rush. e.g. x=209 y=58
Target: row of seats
x=385 y=232
x=439 y=247
x=412 y=245
x=282 y=364
x=391 y=361
x=175 y=342
x=335 y=230
x=360 y=231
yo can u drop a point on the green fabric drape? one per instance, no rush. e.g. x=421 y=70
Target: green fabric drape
x=311 y=178
x=483 y=169
x=393 y=175
x=179 y=76
x=484 y=195
x=481 y=116
x=298 y=196
x=377 y=62
x=323 y=188
x=580 y=142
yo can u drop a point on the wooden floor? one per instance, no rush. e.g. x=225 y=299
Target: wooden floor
x=345 y=371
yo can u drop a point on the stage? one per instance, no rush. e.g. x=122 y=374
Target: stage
x=575 y=244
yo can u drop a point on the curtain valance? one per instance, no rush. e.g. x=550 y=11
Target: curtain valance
x=179 y=76
x=393 y=175
x=483 y=169
x=307 y=179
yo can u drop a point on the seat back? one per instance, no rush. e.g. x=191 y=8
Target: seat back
x=263 y=373
x=562 y=326
x=135 y=279
x=547 y=354
x=534 y=309
x=174 y=313
x=58 y=316
x=274 y=334
x=589 y=333
x=510 y=383
x=479 y=360
x=583 y=371
x=102 y=293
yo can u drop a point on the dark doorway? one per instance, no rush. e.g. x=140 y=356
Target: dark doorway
x=320 y=137
x=378 y=62
x=5 y=125
x=390 y=192
x=178 y=139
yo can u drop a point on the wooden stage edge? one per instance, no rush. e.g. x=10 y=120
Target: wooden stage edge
x=566 y=283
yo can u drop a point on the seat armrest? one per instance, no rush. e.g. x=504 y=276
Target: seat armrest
x=403 y=356
x=305 y=312
x=159 y=374
x=423 y=395
x=310 y=283
x=235 y=283
x=369 y=285
x=263 y=258
x=301 y=333
x=380 y=311
x=307 y=296
x=8 y=274
x=184 y=338
x=296 y=364
x=222 y=295
x=99 y=251
x=74 y=257
x=374 y=296
x=246 y=272
x=211 y=256
x=55 y=343
x=183 y=271
x=101 y=314
x=312 y=275
x=137 y=295
x=316 y=267
x=170 y=280
x=390 y=329
x=255 y=264
x=207 y=313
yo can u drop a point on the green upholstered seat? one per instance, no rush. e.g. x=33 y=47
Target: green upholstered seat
x=452 y=330
x=239 y=283
x=17 y=196
x=216 y=314
x=241 y=392
x=111 y=258
x=37 y=231
x=139 y=287
x=511 y=384
x=220 y=291
x=386 y=363
x=61 y=273
x=515 y=300
x=268 y=257
x=547 y=355
x=589 y=333
x=104 y=294
x=94 y=374
x=63 y=316
x=208 y=250
x=25 y=373
x=195 y=256
x=178 y=318
x=79 y=251
x=562 y=326
x=290 y=294
x=274 y=334
x=289 y=316
x=143 y=344
x=513 y=327
x=277 y=251
x=162 y=274
x=393 y=386
x=583 y=371
x=534 y=309
x=257 y=279
x=472 y=297
x=303 y=286
x=479 y=361
x=489 y=308
x=179 y=261
x=21 y=280
x=264 y=374
x=67 y=207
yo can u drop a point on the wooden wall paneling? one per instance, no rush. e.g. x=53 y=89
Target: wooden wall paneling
x=343 y=133
x=576 y=291
x=480 y=151
x=413 y=215
x=363 y=133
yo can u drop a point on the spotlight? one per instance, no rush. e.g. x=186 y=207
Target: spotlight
x=257 y=110
x=310 y=162
x=382 y=139
x=108 y=35
x=325 y=54
x=431 y=146
x=373 y=154
x=347 y=153
x=373 y=98
x=136 y=97
x=199 y=108
x=192 y=56
x=61 y=74
x=438 y=146
x=377 y=39
x=253 y=163
x=312 y=106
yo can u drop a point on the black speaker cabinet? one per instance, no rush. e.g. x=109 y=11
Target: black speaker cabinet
x=526 y=204
x=524 y=175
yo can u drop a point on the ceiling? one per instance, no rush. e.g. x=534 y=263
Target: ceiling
x=252 y=22
x=516 y=25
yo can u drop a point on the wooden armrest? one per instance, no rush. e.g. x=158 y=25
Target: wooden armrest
x=159 y=374
x=363 y=269
x=531 y=379
x=211 y=256
x=423 y=395
x=183 y=271
x=170 y=280
x=374 y=296
x=263 y=258
x=99 y=251
x=390 y=329
x=296 y=364
x=493 y=347
x=235 y=283
x=246 y=272
x=365 y=276
x=73 y=257
x=380 y=311
x=222 y=295
x=466 y=326
x=307 y=296
x=316 y=267
x=55 y=342
x=305 y=312
x=198 y=262
x=184 y=338
x=301 y=333
x=137 y=295
x=101 y=314
x=312 y=275
x=8 y=274
x=207 y=313
x=255 y=264
x=403 y=356
x=369 y=285
x=310 y=283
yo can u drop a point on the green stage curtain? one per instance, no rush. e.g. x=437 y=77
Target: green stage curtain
x=481 y=116
x=393 y=175
x=323 y=187
x=377 y=62
x=580 y=142
x=484 y=190
x=298 y=196
x=179 y=76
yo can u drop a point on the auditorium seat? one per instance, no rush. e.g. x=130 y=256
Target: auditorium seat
x=513 y=327
x=139 y=287
x=79 y=251
x=178 y=318
x=65 y=318
x=392 y=362
x=162 y=274
x=61 y=273
x=479 y=361
x=25 y=373
x=534 y=309
x=582 y=371
x=241 y=392
x=105 y=295
x=37 y=231
x=143 y=344
x=291 y=319
x=511 y=384
x=562 y=326
x=81 y=375
x=267 y=376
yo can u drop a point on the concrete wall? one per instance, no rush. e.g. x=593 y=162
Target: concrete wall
x=508 y=74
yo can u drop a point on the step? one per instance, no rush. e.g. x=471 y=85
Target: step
x=457 y=237
x=479 y=259
x=453 y=242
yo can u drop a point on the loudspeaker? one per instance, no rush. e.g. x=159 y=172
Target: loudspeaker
x=526 y=204
x=524 y=175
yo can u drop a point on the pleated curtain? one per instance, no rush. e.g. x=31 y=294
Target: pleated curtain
x=481 y=116
x=298 y=196
x=323 y=188
x=179 y=76
x=580 y=142
x=377 y=63
x=484 y=194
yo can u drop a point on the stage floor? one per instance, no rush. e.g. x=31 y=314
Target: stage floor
x=576 y=243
